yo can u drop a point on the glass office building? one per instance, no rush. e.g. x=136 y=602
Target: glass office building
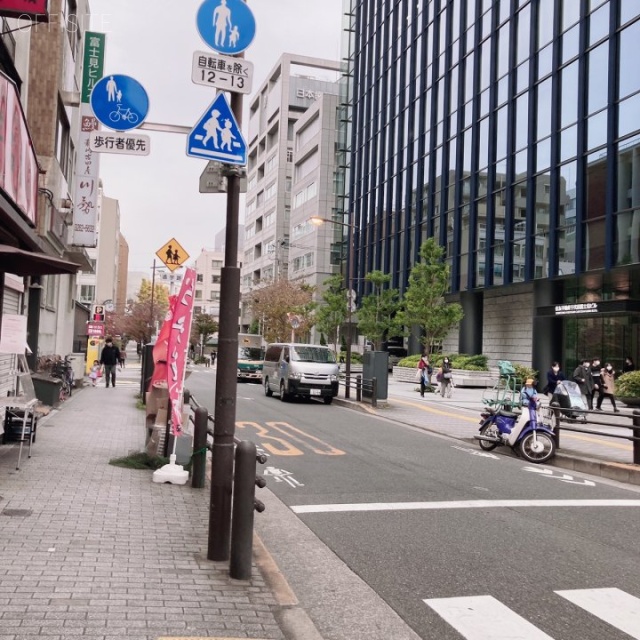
x=510 y=131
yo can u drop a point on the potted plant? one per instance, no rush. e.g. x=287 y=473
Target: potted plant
x=628 y=389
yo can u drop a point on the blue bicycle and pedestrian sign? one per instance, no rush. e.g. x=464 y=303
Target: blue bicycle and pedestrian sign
x=227 y=26
x=120 y=102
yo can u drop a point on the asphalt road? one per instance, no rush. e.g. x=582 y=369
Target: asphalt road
x=547 y=555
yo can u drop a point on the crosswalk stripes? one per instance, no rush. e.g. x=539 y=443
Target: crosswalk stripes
x=615 y=607
x=486 y=618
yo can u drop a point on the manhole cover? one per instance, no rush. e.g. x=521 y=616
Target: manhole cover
x=16 y=513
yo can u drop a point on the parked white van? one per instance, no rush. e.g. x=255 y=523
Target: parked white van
x=307 y=370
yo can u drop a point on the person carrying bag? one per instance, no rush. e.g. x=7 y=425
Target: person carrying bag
x=423 y=375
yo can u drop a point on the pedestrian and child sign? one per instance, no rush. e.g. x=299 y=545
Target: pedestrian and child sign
x=217 y=135
x=227 y=26
x=172 y=254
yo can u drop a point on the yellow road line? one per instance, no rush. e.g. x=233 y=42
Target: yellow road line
x=613 y=445
x=438 y=412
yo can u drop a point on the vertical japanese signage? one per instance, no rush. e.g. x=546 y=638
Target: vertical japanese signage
x=85 y=212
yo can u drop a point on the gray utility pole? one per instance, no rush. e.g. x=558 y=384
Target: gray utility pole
x=226 y=382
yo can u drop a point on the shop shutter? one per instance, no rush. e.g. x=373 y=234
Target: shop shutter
x=8 y=363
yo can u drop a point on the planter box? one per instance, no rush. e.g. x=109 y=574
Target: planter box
x=47 y=389
x=461 y=378
x=629 y=402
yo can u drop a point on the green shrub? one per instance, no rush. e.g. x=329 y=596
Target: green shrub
x=628 y=385
x=523 y=372
x=457 y=360
x=409 y=361
x=356 y=357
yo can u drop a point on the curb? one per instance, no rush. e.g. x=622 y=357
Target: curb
x=618 y=471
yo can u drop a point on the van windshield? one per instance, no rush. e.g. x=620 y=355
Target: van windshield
x=250 y=353
x=312 y=354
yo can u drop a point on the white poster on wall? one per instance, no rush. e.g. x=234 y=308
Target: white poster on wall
x=14 y=334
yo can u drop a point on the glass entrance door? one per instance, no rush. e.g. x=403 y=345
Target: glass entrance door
x=610 y=338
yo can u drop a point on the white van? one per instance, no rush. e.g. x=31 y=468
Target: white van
x=307 y=370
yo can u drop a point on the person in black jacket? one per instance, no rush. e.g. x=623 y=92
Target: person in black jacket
x=109 y=359
x=554 y=375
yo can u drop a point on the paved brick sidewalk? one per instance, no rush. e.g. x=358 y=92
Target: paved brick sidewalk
x=92 y=550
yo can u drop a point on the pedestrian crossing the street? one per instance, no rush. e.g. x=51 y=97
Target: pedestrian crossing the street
x=486 y=618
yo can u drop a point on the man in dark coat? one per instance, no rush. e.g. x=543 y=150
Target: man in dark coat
x=109 y=359
x=582 y=375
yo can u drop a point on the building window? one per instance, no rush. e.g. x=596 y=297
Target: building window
x=72 y=26
x=270 y=191
x=51 y=284
x=197 y=310
x=289 y=155
x=87 y=293
x=216 y=264
x=198 y=294
x=199 y=277
x=216 y=279
x=64 y=146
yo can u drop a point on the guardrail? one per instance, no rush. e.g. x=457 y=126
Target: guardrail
x=362 y=386
x=562 y=421
x=245 y=480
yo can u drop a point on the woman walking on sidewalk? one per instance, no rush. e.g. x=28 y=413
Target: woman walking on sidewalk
x=608 y=387
x=424 y=372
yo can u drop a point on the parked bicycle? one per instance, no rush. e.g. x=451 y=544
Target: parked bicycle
x=63 y=371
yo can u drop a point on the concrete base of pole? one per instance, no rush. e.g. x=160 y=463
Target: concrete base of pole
x=172 y=473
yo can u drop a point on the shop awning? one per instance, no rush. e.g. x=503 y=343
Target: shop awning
x=31 y=263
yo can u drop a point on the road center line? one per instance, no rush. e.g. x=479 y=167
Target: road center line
x=457 y=504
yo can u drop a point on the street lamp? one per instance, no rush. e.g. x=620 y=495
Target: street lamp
x=318 y=221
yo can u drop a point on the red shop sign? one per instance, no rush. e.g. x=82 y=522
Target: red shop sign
x=37 y=10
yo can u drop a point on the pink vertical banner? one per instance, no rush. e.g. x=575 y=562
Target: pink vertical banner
x=178 y=348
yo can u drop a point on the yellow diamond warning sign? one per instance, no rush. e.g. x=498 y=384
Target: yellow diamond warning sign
x=172 y=254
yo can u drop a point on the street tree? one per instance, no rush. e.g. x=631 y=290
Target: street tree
x=140 y=319
x=378 y=314
x=203 y=327
x=332 y=311
x=424 y=303
x=277 y=302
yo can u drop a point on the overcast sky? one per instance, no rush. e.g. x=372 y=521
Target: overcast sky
x=154 y=41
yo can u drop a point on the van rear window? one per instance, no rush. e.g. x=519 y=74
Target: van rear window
x=312 y=354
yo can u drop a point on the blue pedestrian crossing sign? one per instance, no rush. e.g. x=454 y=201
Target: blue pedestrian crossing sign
x=120 y=102
x=227 y=26
x=217 y=135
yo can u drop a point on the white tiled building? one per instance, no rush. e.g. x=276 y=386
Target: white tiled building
x=291 y=166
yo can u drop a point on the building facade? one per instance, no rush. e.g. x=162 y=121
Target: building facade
x=208 y=266
x=509 y=132
x=278 y=124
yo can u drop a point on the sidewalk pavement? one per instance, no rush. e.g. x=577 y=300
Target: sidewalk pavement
x=459 y=417
x=93 y=550
x=88 y=549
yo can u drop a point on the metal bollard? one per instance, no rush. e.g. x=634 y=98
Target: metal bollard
x=347 y=385
x=199 y=466
x=636 y=433
x=359 y=388
x=374 y=392
x=556 y=422
x=244 y=490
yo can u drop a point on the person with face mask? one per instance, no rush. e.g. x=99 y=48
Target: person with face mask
x=595 y=374
x=582 y=376
x=607 y=387
x=554 y=375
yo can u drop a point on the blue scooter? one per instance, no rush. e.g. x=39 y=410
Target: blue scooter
x=533 y=440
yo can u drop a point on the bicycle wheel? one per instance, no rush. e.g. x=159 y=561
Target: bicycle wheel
x=64 y=392
x=114 y=116
x=133 y=118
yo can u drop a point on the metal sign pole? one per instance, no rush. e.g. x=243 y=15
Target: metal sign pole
x=227 y=383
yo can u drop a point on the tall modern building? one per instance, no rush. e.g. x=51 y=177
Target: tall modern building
x=290 y=172
x=508 y=130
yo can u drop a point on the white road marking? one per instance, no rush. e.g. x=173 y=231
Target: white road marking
x=458 y=504
x=563 y=477
x=475 y=452
x=615 y=607
x=484 y=618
